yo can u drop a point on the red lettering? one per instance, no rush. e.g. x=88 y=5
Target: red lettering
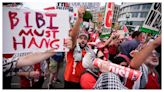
x=38 y=34
x=33 y=42
x=29 y=32
x=39 y=17
x=47 y=43
x=54 y=31
x=27 y=20
x=122 y=72
x=117 y=70
x=12 y=18
x=51 y=22
x=108 y=20
x=47 y=33
x=20 y=43
x=56 y=46
x=109 y=5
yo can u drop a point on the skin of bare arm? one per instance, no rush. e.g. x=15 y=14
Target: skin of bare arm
x=76 y=27
x=141 y=56
x=34 y=58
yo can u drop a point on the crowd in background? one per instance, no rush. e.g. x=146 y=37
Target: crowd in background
x=135 y=50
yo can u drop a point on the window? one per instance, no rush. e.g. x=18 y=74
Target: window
x=134 y=15
x=135 y=7
x=146 y=6
x=143 y=14
x=137 y=22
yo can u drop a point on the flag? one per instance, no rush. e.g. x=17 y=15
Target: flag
x=125 y=29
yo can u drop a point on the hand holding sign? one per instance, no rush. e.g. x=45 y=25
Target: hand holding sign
x=106 y=66
x=68 y=43
x=26 y=30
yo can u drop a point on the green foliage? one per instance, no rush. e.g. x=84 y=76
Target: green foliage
x=87 y=16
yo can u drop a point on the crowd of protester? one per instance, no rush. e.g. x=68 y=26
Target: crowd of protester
x=141 y=53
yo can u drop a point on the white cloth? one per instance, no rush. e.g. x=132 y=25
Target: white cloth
x=141 y=83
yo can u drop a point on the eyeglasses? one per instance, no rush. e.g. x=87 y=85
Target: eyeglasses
x=155 y=54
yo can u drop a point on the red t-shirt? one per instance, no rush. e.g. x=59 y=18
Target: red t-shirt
x=25 y=83
x=152 y=81
x=93 y=37
x=112 y=50
x=87 y=81
x=68 y=76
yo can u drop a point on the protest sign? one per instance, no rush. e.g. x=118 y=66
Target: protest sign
x=108 y=15
x=152 y=23
x=105 y=33
x=106 y=66
x=107 y=21
x=25 y=30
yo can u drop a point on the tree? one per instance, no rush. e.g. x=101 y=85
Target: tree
x=87 y=16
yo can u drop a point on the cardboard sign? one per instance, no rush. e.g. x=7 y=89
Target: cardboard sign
x=106 y=66
x=108 y=15
x=152 y=23
x=64 y=6
x=107 y=21
x=30 y=31
x=105 y=33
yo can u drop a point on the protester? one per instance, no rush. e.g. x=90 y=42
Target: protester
x=90 y=76
x=128 y=46
x=35 y=76
x=138 y=60
x=74 y=68
x=123 y=61
x=111 y=45
x=153 y=80
x=54 y=65
x=25 y=77
x=11 y=65
x=138 y=65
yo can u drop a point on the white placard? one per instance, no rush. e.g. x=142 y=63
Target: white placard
x=25 y=30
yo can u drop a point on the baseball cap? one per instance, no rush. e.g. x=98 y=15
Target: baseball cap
x=83 y=32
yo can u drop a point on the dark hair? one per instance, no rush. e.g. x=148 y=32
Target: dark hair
x=136 y=33
x=118 y=60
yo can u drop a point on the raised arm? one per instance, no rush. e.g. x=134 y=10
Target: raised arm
x=112 y=38
x=141 y=56
x=76 y=27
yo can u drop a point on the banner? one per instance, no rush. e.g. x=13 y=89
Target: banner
x=108 y=15
x=106 y=30
x=106 y=66
x=152 y=23
x=25 y=30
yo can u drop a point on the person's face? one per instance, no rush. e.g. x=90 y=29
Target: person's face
x=140 y=37
x=82 y=40
x=153 y=59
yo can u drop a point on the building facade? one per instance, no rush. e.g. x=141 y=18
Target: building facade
x=133 y=14
x=116 y=10
x=101 y=11
x=87 y=5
